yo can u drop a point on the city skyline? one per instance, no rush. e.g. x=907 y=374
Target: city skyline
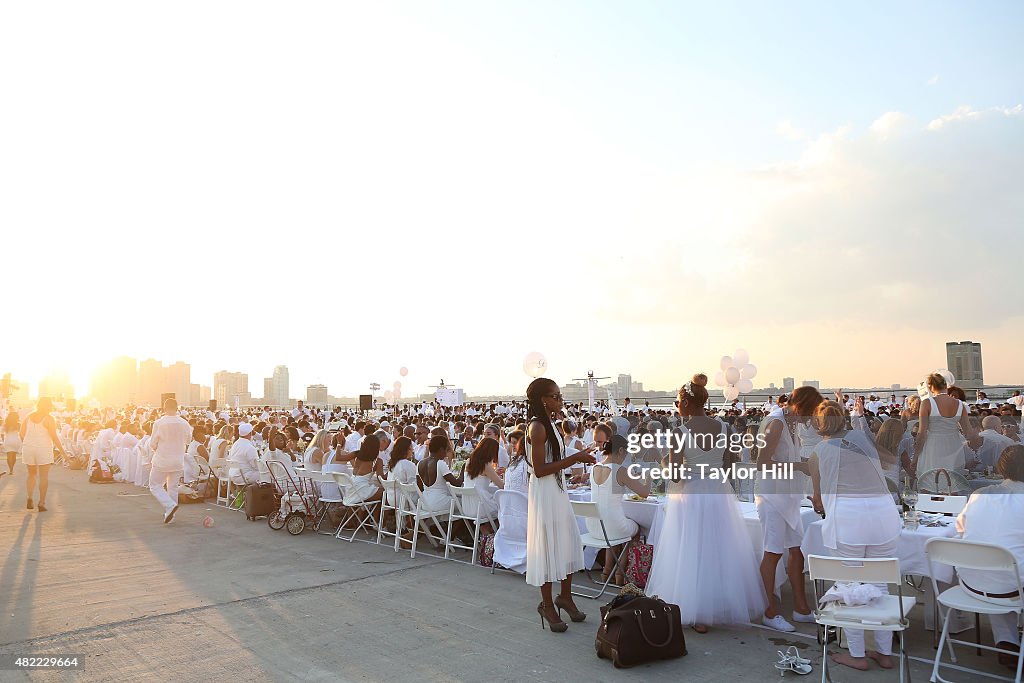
x=125 y=379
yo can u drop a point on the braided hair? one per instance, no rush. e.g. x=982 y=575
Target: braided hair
x=535 y=410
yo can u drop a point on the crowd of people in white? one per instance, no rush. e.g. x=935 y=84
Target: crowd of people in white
x=853 y=459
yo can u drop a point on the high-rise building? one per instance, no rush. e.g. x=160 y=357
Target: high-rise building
x=275 y=388
x=57 y=386
x=151 y=382
x=228 y=385
x=788 y=384
x=963 y=359
x=811 y=383
x=178 y=381
x=316 y=394
x=623 y=386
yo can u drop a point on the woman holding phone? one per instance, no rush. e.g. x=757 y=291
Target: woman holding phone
x=554 y=551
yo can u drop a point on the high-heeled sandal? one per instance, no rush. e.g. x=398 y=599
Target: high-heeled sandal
x=790 y=660
x=556 y=626
x=563 y=604
x=29 y=506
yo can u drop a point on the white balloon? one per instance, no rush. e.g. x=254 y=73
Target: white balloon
x=740 y=358
x=535 y=364
x=725 y=363
x=745 y=385
x=731 y=393
x=719 y=379
x=403 y=371
x=748 y=371
x=732 y=375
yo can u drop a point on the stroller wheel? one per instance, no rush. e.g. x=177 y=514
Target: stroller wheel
x=296 y=523
x=275 y=521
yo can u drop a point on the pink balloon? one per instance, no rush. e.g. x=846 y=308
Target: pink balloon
x=403 y=371
x=208 y=522
x=397 y=385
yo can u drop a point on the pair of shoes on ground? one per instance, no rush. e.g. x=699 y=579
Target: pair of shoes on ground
x=779 y=623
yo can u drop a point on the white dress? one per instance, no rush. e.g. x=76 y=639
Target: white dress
x=37 y=448
x=436 y=498
x=553 y=546
x=943 y=446
x=12 y=442
x=517 y=478
x=608 y=496
x=703 y=559
x=486 y=494
x=404 y=472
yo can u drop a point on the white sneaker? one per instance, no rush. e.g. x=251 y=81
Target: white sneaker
x=803 y=618
x=779 y=623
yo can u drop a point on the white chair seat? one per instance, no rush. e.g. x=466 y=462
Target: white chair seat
x=882 y=613
x=595 y=542
x=958 y=597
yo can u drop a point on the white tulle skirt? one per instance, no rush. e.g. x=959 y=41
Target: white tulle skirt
x=704 y=561
x=553 y=546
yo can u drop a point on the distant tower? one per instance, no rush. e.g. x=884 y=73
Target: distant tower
x=963 y=359
x=788 y=384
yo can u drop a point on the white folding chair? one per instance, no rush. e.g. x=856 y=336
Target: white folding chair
x=510 y=538
x=223 y=484
x=362 y=511
x=324 y=500
x=466 y=506
x=887 y=614
x=412 y=506
x=389 y=501
x=972 y=555
x=591 y=511
x=946 y=505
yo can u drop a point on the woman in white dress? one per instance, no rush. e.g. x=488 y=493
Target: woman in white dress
x=480 y=473
x=366 y=468
x=516 y=476
x=38 y=439
x=401 y=464
x=782 y=528
x=942 y=418
x=433 y=472
x=219 y=448
x=608 y=481
x=12 y=439
x=554 y=551
x=317 y=449
x=703 y=560
x=861 y=518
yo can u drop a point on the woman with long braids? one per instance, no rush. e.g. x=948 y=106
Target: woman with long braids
x=554 y=551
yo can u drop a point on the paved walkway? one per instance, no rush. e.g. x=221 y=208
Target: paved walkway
x=100 y=576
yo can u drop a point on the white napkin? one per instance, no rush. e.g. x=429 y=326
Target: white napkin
x=852 y=594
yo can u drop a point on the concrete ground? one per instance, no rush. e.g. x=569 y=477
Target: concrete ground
x=99 y=576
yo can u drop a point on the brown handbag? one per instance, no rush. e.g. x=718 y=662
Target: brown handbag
x=637 y=629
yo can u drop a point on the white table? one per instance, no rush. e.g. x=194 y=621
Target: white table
x=909 y=548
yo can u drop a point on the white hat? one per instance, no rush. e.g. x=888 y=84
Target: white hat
x=244 y=429
x=385 y=423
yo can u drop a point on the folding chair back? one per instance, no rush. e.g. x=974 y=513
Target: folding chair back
x=867 y=570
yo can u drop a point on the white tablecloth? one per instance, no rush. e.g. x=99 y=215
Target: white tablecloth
x=909 y=549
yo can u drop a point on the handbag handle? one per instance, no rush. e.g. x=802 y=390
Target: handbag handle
x=640 y=624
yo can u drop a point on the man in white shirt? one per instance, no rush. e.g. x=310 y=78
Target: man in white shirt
x=243 y=458
x=299 y=411
x=419 y=449
x=992 y=515
x=171 y=436
x=874 y=405
x=982 y=399
x=992 y=445
x=353 y=440
x=1017 y=401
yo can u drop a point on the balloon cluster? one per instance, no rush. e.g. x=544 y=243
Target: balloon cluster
x=395 y=392
x=535 y=364
x=735 y=375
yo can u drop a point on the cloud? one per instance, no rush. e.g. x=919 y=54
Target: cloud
x=888 y=124
x=933 y=80
x=967 y=113
x=787 y=130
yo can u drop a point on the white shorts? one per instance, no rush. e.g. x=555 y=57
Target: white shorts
x=37 y=456
x=776 y=535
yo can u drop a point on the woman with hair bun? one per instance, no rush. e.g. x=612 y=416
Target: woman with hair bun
x=703 y=560
x=942 y=418
x=554 y=551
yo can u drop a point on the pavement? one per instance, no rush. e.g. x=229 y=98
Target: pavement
x=100 y=576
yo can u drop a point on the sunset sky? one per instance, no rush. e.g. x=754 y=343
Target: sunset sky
x=347 y=188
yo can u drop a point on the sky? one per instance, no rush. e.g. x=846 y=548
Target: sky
x=349 y=188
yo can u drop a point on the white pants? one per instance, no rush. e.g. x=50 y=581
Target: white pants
x=855 y=637
x=157 y=480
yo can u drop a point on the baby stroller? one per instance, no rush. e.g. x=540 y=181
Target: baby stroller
x=297 y=508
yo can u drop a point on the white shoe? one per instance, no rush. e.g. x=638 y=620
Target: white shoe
x=803 y=618
x=779 y=623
